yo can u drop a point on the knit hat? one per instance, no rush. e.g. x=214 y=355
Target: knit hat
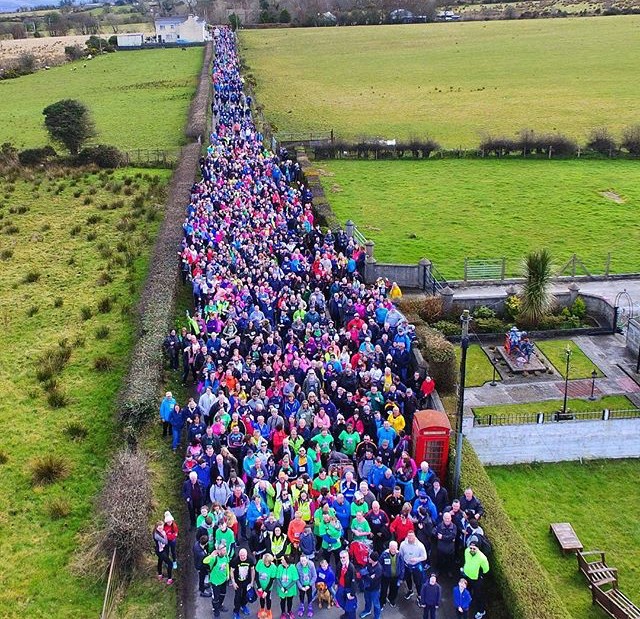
x=168 y=518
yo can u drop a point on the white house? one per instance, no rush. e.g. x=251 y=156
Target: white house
x=131 y=39
x=184 y=29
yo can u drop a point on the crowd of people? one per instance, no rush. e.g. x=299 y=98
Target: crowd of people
x=299 y=478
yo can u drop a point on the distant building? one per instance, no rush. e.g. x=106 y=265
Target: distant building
x=448 y=16
x=130 y=39
x=184 y=29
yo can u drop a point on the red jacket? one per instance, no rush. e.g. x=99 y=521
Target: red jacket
x=401 y=529
x=171 y=530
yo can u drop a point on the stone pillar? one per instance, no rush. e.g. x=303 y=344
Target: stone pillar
x=573 y=292
x=447 y=299
x=349 y=226
x=424 y=274
x=511 y=290
x=368 y=248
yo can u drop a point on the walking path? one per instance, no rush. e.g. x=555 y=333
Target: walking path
x=607 y=353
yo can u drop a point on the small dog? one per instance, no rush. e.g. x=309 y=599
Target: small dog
x=324 y=595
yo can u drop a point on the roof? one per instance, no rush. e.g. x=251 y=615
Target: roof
x=178 y=19
x=430 y=418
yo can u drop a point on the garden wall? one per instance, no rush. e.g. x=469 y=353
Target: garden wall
x=405 y=275
x=555 y=442
x=633 y=337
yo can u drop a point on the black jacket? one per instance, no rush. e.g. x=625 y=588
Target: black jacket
x=199 y=553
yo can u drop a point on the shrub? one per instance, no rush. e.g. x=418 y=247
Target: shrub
x=92 y=236
x=32 y=311
x=11 y=229
x=440 y=354
x=57 y=398
x=76 y=431
x=483 y=312
x=79 y=341
x=103 y=364
x=36 y=156
x=447 y=327
x=104 y=305
x=579 y=308
x=74 y=52
x=58 y=302
x=499 y=146
x=86 y=312
x=104 y=278
x=6 y=254
x=49 y=469
x=58 y=508
x=602 y=141
x=431 y=308
x=31 y=277
x=102 y=333
x=52 y=362
x=93 y=219
x=521 y=579
x=103 y=156
x=631 y=139
x=75 y=230
x=489 y=325
x=550 y=322
x=512 y=307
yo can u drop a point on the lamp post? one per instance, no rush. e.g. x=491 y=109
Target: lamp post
x=593 y=384
x=567 y=353
x=465 y=319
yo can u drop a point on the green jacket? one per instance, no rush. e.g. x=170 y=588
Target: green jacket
x=219 y=569
x=474 y=563
x=287 y=578
x=265 y=575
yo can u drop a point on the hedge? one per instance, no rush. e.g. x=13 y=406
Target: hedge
x=199 y=111
x=440 y=354
x=524 y=584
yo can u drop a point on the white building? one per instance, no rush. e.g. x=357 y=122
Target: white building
x=182 y=29
x=131 y=39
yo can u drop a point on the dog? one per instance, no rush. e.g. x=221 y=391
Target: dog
x=324 y=595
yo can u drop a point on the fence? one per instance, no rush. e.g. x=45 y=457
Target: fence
x=153 y=157
x=515 y=419
x=114 y=581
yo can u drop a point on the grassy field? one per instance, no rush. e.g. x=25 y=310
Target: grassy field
x=584 y=495
x=612 y=402
x=479 y=367
x=74 y=250
x=451 y=208
x=139 y=99
x=451 y=81
x=580 y=366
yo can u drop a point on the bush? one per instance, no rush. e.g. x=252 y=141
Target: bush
x=58 y=302
x=75 y=230
x=512 y=307
x=76 y=431
x=489 y=325
x=440 y=354
x=483 y=312
x=103 y=364
x=86 y=312
x=58 y=508
x=102 y=333
x=74 y=52
x=498 y=145
x=36 y=156
x=447 y=327
x=6 y=254
x=631 y=139
x=52 y=362
x=105 y=305
x=57 y=398
x=4 y=458
x=579 y=308
x=32 y=311
x=103 y=155
x=430 y=309
x=601 y=141
x=93 y=219
x=49 y=469
x=520 y=578
x=550 y=322
x=31 y=277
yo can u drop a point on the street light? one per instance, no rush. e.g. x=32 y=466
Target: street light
x=568 y=353
x=465 y=319
x=593 y=384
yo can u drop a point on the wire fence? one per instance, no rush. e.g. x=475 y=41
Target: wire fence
x=114 y=582
x=512 y=419
x=153 y=157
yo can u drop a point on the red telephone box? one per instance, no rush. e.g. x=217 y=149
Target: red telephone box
x=431 y=433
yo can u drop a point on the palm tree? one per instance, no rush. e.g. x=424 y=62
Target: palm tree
x=537 y=300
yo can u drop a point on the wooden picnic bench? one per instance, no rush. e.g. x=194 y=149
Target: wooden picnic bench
x=593 y=565
x=616 y=604
x=566 y=536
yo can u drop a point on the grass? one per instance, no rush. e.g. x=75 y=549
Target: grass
x=612 y=402
x=584 y=495
x=447 y=80
x=580 y=366
x=448 y=209
x=138 y=99
x=51 y=352
x=479 y=368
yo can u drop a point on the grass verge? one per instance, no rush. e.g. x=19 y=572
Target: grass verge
x=580 y=366
x=479 y=367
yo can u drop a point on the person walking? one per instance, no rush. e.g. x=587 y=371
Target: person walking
x=199 y=553
x=392 y=574
x=475 y=567
x=218 y=562
x=194 y=495
x=346 y=593
x=166 y=407
x=430 y=597
x=414 y=554
x=266 y=571
x=372 y=584
x=171 y=529
x=242 y=575
x=287 y=579
x=461 y=599
x=306 y=584
x=162 y=552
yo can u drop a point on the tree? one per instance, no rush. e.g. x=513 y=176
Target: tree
x=69 y=122
x=537 y=299
x=601 y=140
x=631 y=139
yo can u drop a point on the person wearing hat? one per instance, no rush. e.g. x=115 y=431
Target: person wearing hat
x=171 y=530
x=372 y=583
x=166 y=407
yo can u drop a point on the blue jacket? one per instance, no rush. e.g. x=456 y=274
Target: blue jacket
x=430 y=595
x=428 y=503
x=376 y=474
x=385 y=562
x=461 y=599
x=343 y=513
x=177 y=419
x=326 y=576
x=389 y=434
x=253 y=513
x=204 y=475
x=166 y=406
x=307 y=544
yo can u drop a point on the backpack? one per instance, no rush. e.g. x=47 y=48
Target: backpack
x=484 y=545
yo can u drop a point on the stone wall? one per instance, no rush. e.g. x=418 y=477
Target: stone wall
x=405 y=275
x=633 y=337
x=555 y=442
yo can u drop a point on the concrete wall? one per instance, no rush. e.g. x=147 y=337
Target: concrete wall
x=405 y=275
x=633 y=337
x=555 y=442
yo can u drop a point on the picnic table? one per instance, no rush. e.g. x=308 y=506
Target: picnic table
x=566 y=536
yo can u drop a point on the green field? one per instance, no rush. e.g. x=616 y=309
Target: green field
x=586 y=495
x=75 y=242
x=580 y=366
x=451 y=81
x=479 y=368
x=447 y=209
x=138 y=99
x=612 y=402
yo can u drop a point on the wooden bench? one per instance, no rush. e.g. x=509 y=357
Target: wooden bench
x=612 y=601
x=566 y=536
x=595 y=570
